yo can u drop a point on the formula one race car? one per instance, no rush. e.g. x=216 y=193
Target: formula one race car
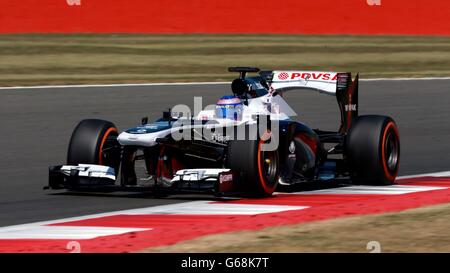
x=245 y=144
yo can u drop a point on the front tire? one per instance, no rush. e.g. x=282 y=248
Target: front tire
x=257 y=170
x=90 y=140
x=373 y=150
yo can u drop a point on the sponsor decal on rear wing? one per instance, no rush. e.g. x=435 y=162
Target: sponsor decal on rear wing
x=321 y=81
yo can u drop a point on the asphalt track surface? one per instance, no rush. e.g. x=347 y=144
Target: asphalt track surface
x=36 y=125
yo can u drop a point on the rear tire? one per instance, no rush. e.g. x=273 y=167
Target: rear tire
x=373 y=150
x=257 y=171
x=90 y=138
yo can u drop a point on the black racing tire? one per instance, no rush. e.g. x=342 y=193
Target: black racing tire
x=257 y=171
x=89 y=139
x=373 y=150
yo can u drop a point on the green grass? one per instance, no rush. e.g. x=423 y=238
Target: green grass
x=73 y=59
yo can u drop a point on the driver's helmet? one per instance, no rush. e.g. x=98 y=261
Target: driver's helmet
x=229 y=107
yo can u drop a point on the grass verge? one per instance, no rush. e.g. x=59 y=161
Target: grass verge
x=78 y=59
x=424 y=229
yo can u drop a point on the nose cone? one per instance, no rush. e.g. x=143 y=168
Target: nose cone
x=123 y=138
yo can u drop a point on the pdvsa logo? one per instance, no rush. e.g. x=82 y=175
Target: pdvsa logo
x=283 y=76
x=314 y=76
x=73 y=2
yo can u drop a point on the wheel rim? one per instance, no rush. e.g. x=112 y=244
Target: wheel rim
x=392 y=151
x=268 y=163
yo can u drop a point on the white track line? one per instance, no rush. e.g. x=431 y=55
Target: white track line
x=405 y=79
x=383 y=190
x=63 y=232
x=208 y=208
x=436 y=174
x=191 y=83
x=113 y=85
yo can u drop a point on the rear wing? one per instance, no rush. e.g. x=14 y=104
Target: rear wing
x=338 y=84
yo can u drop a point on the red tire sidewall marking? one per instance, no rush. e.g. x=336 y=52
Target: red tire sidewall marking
x=105 y=136
x=262 y=179
x=383 y=150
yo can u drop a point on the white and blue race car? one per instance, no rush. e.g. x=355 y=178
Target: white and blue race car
x=245 y=144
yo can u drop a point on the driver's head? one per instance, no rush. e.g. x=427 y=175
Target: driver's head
x=229 y=107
